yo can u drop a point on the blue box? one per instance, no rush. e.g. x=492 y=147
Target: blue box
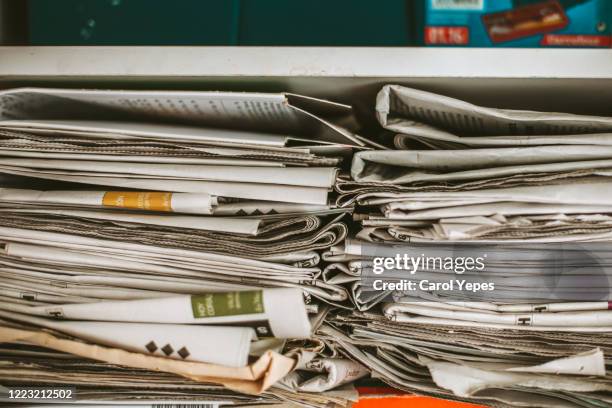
x=517 y=23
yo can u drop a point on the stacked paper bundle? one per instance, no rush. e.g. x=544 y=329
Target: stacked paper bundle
x=108 y=383
x=237 y=208
x=174 y=231
x=527 y=189
x=503 y=175
x=506 y=273
x=472 y=362
x=119 y=385
x=195 y=245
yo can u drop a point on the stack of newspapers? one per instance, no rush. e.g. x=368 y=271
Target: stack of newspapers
x=468 y=173
x=171 y=231
x=171 y=207
x=253 y=248
x=504 y=219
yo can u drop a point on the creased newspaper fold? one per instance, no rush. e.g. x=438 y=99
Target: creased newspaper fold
x=162 y=144
x=425 y=358
x=254 y=379
x=465 y=381
x=248 y=237
x=266 y=112
x=228 y=346
x=315 y=374
x=437 y=120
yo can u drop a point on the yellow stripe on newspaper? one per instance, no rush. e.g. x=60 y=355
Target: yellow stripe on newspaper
x=138 y=200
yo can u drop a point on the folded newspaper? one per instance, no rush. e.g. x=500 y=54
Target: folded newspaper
x=439 y=121
x=522 y=192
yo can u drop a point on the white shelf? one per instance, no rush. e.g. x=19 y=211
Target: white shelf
x=306 y=62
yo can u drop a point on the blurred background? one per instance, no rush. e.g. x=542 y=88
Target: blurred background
x=460 y=23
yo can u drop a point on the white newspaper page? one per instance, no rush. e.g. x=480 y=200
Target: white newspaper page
x=468 y=119
x=277 y=313
x=266 y=112
x=206 y=344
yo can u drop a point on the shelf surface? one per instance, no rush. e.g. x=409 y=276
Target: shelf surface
x=306 y=61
